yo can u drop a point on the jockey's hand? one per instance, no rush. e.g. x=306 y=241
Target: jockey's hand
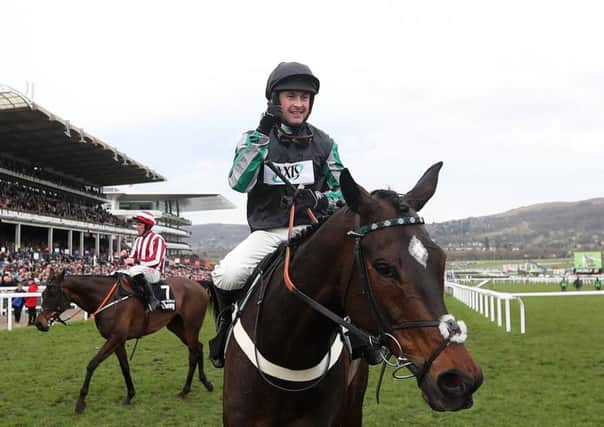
x=129 y=261
x=271 y=117
x=307 y=198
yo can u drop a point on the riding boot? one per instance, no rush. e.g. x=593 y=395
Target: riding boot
x=151 y=301
x=225 y=302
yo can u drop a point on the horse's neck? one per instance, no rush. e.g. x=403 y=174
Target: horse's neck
x=88 y=291
x=319 y=266
x=321 y=262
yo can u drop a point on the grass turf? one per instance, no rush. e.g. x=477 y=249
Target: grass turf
x=552 y=376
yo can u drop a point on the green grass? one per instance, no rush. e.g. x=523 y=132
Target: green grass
x=552 y=376
x=552 y=263
x=504 y=286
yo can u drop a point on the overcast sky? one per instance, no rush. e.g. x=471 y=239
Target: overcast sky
x=510 y=95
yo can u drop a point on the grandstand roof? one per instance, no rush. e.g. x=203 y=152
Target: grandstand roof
x=186 y=202
x=31 y=133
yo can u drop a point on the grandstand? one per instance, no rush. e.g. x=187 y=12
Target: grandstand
x=54 y=188
x=167 y=209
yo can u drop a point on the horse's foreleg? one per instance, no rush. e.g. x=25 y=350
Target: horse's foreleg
x=193 y=358
x=103 y=353
x=122 y=356
x=202 y=375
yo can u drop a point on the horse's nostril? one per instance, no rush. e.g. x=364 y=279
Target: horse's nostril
x=452 y=384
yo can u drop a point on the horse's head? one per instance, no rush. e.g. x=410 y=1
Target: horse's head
x=398 y=293
x=54 y=301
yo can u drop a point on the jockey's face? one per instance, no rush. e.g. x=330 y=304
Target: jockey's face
x=295 y=105
x=140 y=228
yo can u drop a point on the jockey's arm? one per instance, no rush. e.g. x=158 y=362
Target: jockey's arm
x=332 y=168
x=250 y=155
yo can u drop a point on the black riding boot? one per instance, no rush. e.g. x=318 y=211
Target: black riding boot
x=152 y=302
x=226 y=299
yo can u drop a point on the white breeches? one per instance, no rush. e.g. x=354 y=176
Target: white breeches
x=151 y=275
x=234 y=269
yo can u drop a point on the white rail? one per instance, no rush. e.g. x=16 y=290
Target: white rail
x=7 y=309
x=489 y=302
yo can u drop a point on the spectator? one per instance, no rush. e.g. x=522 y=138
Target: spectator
x=31 y=303
x=18 y=303
x=578 y=283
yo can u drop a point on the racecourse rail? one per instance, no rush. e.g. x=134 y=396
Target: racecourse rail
x=6 y=299
x=492 y=304
x=489 y=302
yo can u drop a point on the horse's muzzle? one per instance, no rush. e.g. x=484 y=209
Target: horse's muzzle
x=452 y=391
x=42 y=324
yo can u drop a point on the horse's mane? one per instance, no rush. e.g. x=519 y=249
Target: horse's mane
x=96 y=276
x=394 y=198
x=304 y=234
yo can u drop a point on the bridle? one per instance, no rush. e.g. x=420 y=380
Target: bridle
x=64 y=301
x=55 y=313
x=451 y=330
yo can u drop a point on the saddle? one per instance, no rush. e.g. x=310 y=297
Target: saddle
x=125 y=288
x=266 y=268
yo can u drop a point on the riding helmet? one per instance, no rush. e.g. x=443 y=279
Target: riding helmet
x=291 y=76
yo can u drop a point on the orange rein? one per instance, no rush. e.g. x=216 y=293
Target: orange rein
x=111 y=291
x=288 y=281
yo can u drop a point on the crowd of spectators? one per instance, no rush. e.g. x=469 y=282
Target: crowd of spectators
x=21 y=196
x=36 y=171
x=26 y=265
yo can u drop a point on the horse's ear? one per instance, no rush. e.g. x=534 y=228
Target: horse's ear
x=350 y=190
x=59 y=278
x=51 y=274
x=424 y=189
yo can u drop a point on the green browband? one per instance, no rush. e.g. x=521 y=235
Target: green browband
x=403 y=220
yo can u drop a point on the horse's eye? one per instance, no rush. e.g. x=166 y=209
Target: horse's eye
x=386 y=270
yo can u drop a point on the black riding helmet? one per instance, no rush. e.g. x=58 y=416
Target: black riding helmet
x=291 y=76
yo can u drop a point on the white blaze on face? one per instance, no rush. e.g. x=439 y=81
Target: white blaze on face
x=418 y=251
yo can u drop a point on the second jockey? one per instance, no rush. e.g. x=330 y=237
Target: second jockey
x=146 y=259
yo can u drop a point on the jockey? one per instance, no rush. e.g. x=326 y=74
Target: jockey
x=146 y=259
x=304 y=154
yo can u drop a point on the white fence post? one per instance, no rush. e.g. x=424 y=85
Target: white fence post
x=508 y=320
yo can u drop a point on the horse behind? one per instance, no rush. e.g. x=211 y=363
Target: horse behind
x=374 y=263
x=126 y=319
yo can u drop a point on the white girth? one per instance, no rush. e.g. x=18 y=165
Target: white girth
x=276 y=371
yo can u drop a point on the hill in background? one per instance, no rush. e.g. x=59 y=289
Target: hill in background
x=215 y=240
x=538 y=231
x=543 y=230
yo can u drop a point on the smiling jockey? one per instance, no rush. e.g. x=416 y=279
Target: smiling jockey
x=304 y=154
x=146 y=258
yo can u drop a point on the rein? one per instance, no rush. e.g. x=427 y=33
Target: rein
x=450 y=329
x=102 y=306
x=56 y=315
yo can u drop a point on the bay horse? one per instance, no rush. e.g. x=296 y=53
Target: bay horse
x=122 y=318
x=374 y=262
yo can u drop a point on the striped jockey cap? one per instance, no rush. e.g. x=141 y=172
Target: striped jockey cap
x=145 y=217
